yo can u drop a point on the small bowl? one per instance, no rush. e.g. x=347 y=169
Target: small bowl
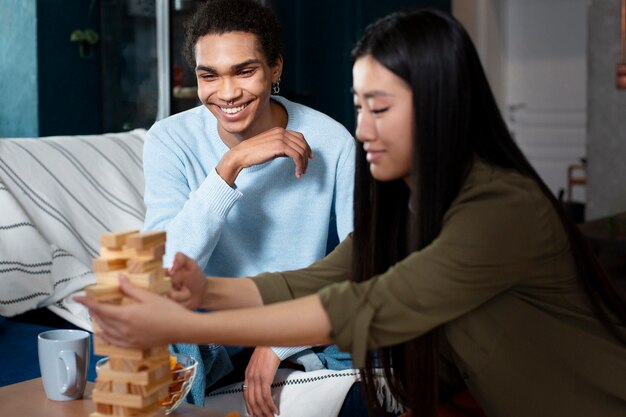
x=183 y=368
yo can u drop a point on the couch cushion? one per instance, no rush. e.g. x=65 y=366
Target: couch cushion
x=58 y=195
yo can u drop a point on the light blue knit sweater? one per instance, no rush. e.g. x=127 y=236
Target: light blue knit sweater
x=270 y=220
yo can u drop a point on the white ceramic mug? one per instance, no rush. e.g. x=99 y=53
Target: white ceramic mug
x=64 y=362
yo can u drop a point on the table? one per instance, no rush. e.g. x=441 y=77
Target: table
x=28 y=399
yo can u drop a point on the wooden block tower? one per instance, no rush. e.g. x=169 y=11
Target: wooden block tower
x=134 y=382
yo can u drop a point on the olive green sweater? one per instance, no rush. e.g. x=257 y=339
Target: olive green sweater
x=500 y=280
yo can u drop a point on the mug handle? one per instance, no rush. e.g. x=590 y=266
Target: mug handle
x=69 y=360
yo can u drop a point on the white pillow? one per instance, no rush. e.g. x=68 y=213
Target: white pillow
x=58 y=195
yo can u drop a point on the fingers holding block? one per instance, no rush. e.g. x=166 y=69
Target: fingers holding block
x=105 y=293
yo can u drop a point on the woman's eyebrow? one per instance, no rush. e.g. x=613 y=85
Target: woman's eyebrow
x=373 y=93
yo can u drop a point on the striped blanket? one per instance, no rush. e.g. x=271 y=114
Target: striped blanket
x=57 y=196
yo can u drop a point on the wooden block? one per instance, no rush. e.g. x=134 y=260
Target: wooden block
x=156 y=366
x=144 y=279
x=108 y=265
x=104 y=409
x=158 y=372
x=145 y=240
x=104 y=292
x=158 y=353
x=106 y=253
x=162 y=287
x=153 y=252
x=109 y=278
x=144 y=378
x=124 y=364
x=102 y=348
x=147 y=279
x=110 y=374
x=150 y=281
x=119 y=411
x=147 y=254
x=126 y=400
x=102 y=385
x=156 y=387
x=134 y=381
x=117 y=239
x=137 y=265
x=122 y=387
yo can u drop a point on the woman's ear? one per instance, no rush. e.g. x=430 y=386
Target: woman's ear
x=277 y=69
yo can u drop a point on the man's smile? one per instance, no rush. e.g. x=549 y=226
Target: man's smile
x=233 y=110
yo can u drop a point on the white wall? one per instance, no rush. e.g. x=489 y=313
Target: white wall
x=482 y=20
x=606 y=126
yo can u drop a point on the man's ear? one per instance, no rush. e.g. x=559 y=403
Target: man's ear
x=277 y=69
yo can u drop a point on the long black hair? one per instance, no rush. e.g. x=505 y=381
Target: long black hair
x=456 y=118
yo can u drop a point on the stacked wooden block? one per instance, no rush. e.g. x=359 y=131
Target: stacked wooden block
x=134 y=382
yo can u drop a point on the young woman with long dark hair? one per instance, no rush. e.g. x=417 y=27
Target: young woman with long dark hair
x=462 y=271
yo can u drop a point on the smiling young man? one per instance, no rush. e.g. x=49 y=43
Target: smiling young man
x=248 y=181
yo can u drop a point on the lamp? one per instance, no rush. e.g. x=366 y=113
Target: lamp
x=621 y=67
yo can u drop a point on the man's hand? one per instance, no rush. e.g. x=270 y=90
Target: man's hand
x=271 y=144
x=259 y=377
x=188 y=282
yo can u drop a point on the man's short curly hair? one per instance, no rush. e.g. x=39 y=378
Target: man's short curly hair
x=222 y=16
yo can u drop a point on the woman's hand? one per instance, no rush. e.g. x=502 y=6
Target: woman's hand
x=260 y=374
x=151 y=320
x=189 y=283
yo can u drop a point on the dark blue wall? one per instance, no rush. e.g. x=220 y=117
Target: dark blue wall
x=46 y=88
x=318 y=37
x=69 y=86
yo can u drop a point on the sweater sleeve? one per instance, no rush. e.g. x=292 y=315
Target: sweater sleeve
x=490 y=237
x=281 y=286
x=487 y=243
x=344 y=189
x=275 y=287
x=193 y=220
x=286 y=352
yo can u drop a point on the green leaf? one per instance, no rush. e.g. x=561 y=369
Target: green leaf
x=91 y=36
x=77 y=36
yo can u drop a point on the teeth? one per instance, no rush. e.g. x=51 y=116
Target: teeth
x=233 y=110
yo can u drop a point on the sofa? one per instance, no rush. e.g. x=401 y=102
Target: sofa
x=58 y=195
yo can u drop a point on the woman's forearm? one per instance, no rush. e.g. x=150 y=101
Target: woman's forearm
x=229 y=293
x=292 y=323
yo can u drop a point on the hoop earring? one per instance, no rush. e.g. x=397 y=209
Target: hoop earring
x=276 y=87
